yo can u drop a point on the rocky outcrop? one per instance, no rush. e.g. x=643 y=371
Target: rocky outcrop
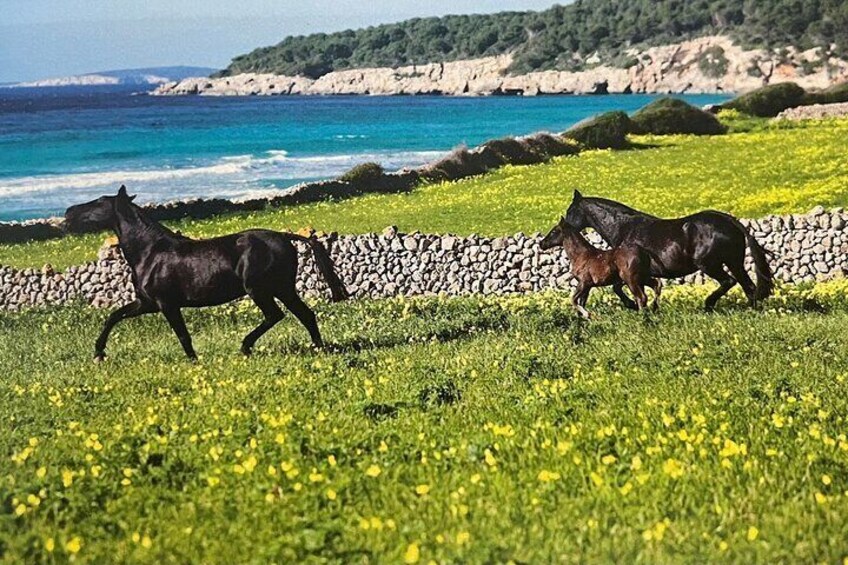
x=703 y=65
x=815 y=112
x=801 y=247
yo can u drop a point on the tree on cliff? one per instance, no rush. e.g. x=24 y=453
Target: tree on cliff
x=561 y=37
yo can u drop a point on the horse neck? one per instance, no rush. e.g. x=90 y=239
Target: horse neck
x=613 y=222
x=576 y=246
x=136 y=233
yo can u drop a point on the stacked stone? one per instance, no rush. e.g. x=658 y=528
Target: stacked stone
x=801 y=247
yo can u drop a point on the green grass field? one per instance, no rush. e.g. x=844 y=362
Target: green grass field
x=455 y=430
x=774 y=169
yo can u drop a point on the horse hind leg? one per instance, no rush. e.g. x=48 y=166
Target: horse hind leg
x=737 y=269
x=302 y=312
x=273 y=314
x=725 y=282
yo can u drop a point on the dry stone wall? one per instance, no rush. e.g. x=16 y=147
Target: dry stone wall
x=802 y=247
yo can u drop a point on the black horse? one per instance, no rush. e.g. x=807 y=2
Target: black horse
x=708 y=241
x=170 y=271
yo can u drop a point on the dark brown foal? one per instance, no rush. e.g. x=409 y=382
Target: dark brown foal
x=627 y=265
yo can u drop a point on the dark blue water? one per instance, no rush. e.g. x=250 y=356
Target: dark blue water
x=62 y=146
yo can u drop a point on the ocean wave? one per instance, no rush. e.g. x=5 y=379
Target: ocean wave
x=255 y=171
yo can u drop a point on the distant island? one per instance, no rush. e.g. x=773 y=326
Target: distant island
x=149 y=77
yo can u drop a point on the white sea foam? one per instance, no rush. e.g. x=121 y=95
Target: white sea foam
x=233 y=176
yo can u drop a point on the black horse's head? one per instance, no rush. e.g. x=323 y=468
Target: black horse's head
x=99 y=214
x=575 y=216
x=556 y=236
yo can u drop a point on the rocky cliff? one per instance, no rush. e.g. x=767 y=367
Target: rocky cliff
x=703 y=65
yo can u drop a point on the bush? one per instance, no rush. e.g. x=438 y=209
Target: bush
x=547 y=145
x=670 y=115
x=460 y=163
x=768 y=101
x=512 y=151
x=363 y=174
x=607 y=131
x=832 y=95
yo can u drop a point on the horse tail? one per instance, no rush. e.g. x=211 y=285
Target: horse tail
x=325 y=265
x=765 y=277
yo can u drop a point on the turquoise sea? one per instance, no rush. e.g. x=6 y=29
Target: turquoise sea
x=60 y=146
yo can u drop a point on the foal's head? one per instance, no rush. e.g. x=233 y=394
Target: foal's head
x=555 y=237
x=567 y=236
x=99 y=214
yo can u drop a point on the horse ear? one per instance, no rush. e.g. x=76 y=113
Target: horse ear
x=122 y=192
x=577 y=195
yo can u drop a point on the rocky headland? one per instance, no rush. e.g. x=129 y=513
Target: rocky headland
x=703 y=65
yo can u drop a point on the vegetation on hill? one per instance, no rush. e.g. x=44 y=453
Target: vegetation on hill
x=665 y=175
x=468 y=430
x=561 y=37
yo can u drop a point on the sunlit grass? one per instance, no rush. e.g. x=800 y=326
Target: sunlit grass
x=459 y=430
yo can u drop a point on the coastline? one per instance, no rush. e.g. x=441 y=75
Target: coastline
x=711 y=64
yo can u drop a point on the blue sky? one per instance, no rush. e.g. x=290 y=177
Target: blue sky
x=51 y=38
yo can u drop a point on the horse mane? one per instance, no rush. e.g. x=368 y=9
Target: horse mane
x=153 y=225
x=618 y=207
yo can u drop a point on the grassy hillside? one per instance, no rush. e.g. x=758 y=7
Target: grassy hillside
x=771 y=170
x=558 y=38
x=462 y=430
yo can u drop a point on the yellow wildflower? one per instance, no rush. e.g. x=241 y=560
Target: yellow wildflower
x=412 y=554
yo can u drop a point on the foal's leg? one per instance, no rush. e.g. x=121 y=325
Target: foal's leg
x=618 y=288
x=272 y=313
x=177 y=323
x=657 y=285
x=725 y=282
x=579 y=298
x=303 y=313
x=131 y=310
x=638 y=293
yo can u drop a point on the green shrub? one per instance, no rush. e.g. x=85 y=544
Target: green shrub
x=458 y=164
x=768 y=101
x=832 y=95
x=363 y=174
x=670 y=115
x=547 y=145
x=511 y=151
x=607 y=131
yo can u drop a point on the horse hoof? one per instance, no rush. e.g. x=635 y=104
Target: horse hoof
x=246 y=351
x=99 y=357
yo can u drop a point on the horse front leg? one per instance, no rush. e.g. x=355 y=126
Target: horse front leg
x=177 y=323
x=579 y=298
x=657 y=285
x=131 y=310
